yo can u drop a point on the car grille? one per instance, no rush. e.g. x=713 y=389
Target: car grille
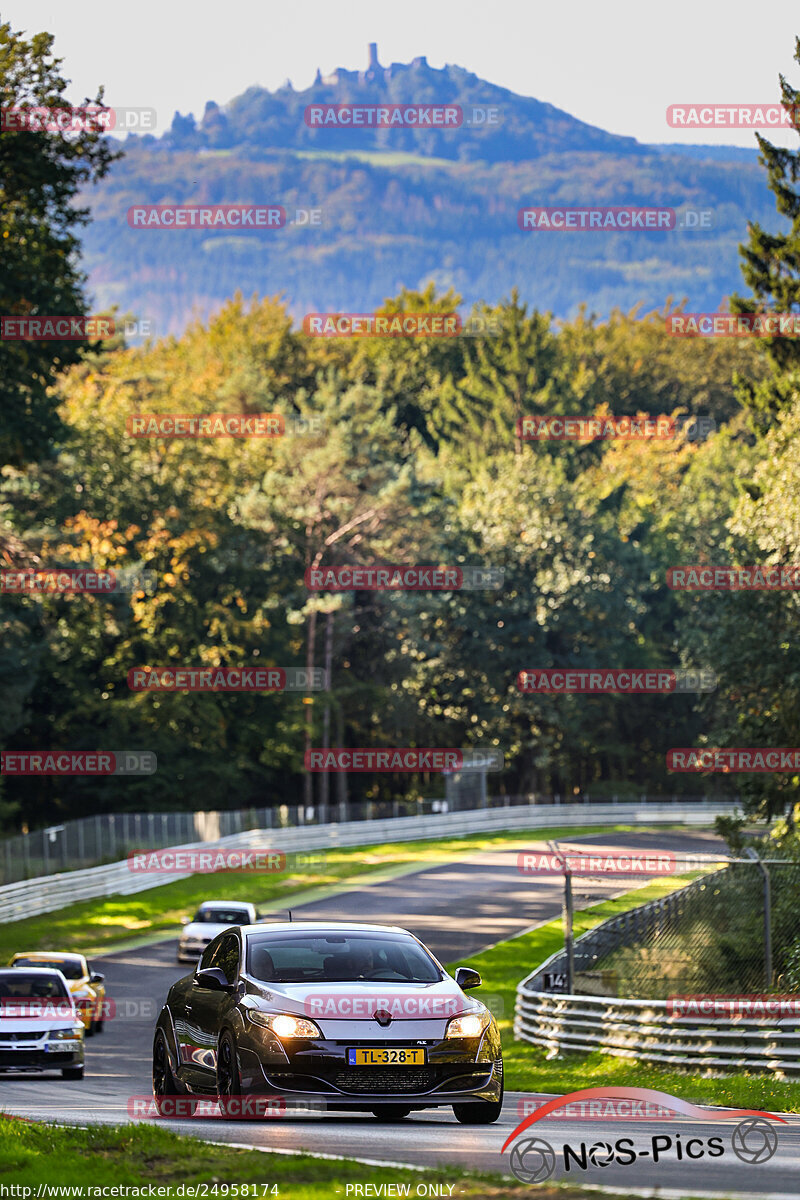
x=31 y=1036
x=36 y=1058
x=379 y=1080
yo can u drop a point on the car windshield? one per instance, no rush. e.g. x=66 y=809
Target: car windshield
x=223 y=916
x=70 y=970
x=19 y=985
x=339 y=958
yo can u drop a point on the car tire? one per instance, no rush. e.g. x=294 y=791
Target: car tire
x=88 y=1030
x=481 y=1112
x=97 y=1026
x=390 y=1112
x=229 y=1081
x=164 y=1085
x=72 y=1072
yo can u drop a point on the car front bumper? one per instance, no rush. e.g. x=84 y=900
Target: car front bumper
x=190 y=951
x=456 y=1071
x=40 y=1055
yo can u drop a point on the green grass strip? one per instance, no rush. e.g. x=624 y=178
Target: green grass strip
x=32 y=1154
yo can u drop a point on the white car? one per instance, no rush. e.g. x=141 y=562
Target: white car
x=39 y=1025
x=210 y=919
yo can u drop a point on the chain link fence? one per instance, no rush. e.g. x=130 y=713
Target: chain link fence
x=708 y=938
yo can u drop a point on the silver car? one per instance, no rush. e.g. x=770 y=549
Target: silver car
x=39 y=1026
x=210 y=919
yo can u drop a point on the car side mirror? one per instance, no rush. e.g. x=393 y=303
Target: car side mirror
x=213 y=980
x=96 y=977
x=185 y=920
x=467 y=978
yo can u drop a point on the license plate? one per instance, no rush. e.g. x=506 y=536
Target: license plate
x=390 y=1056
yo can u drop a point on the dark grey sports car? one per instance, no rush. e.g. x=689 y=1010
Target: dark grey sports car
x=356 y=1017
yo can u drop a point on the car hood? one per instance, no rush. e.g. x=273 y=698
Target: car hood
x=26 y=1025
x=203 y=929
x=359 y=1001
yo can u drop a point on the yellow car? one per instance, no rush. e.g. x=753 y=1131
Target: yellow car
x=85 y=984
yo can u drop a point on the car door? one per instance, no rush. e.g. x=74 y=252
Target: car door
x=208 y=1007
x=192 y=1047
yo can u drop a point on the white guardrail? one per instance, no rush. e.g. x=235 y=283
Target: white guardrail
x=642 y=1029
x=32 y=897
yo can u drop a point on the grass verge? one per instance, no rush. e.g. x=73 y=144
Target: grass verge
x=526 y=1067
x=32 y=1154
x=97 y=926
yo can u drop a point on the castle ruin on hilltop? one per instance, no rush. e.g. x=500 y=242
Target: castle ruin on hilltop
x=373 y=72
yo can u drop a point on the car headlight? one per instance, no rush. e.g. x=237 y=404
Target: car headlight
x=471 y=1025
x=63 y=1035
x=285 y=1026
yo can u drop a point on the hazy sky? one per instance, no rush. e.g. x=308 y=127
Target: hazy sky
x=617 y=64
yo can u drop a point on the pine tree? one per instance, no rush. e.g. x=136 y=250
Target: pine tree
x=771 y=268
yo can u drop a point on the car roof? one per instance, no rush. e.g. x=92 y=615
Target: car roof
x=49 y=956
x=30 y=971
x=320 y=927
x=225 y=904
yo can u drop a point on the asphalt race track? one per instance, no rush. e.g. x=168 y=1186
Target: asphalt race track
x=457 y=909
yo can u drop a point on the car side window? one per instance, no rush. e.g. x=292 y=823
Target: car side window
x=207 y=959
x=228 y=958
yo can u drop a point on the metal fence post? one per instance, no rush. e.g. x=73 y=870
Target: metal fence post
x=751 y=854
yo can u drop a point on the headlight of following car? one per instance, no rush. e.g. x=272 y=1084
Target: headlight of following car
x=65 y=1035
x=471 y=1025
x=285 y=1026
